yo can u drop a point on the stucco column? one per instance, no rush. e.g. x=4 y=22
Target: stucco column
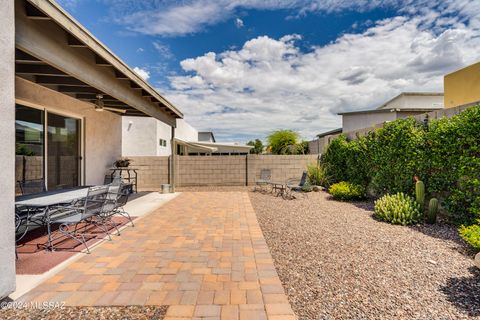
x=7 y=147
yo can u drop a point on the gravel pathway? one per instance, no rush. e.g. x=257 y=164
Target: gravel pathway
x=86 y=313
x=337 y=262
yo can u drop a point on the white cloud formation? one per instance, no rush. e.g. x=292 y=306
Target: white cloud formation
x=163 y=50
x=239 y=23
x=270 y=83
x=143 y=73
x=174 y=18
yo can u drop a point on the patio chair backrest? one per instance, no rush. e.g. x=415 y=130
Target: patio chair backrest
x=265 y=174
x=94 y=201
x=32 y=186
x=123 y=196
x=113 y=195
x=303 y=180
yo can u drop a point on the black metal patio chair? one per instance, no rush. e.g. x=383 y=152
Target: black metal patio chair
x=295 y=185
x=31 y=186
x=122 y=199
x=85 y=211
x=265 y=179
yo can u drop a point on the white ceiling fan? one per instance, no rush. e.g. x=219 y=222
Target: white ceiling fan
x=100 y=105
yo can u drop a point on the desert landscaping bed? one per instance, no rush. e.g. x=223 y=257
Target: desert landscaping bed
x=86 y=313
x=337 y=262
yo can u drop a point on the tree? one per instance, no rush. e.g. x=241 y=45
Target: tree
x=279 y=141
x=257 y=146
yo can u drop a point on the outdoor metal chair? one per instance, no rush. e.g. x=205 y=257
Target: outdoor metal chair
x=85 y=211
x=108 y=211
x=121 y=201
x=32 y=186
x=292 y=185
x=265 y=179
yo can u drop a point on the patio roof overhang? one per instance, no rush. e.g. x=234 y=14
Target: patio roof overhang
x=195 y=147
x=54 y=50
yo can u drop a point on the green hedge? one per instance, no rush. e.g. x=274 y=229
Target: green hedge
x=444 y=153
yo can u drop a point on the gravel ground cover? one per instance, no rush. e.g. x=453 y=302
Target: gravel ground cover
x=86 y=313
x=337 y=262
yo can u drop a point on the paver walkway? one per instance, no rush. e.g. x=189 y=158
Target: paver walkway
x=202 y=253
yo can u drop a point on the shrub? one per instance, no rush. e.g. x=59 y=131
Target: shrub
x=445 y=155
x=317 y=175
x=347 y=191
x=335 y=159
x=453 y=164
x=471 y=235
x=396 y=152
x=398 y=209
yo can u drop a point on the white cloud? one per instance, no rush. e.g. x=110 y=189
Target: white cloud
x=176 y=18
x=143 y=73
x=163 y=50
x=239 y=23
x=270 y=83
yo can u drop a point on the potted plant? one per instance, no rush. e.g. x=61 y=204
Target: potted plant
x=122 y=163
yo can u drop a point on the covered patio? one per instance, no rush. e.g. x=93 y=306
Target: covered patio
x=63 y=96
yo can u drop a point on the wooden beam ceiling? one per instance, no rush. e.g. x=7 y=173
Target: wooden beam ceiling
x=102 y=62
x=25 y=58
x=120 y=75
x=75 y=89
x=133 y=85
x=33 y=13
x=38 y=69
x=74 y=42
x=63 y=81
x=92 y=96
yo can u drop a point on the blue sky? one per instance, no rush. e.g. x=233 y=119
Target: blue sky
x=245 y=68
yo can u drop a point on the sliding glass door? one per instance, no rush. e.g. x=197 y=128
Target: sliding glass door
x=63 y=145
x=47 y=151
x=29 y=150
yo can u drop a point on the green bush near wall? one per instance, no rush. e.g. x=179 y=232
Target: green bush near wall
x=444 y=153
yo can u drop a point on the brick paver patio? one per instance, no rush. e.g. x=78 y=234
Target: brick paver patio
x=203 y=254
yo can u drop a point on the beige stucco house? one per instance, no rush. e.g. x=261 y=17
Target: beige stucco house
x=404 y=105
x=62 y=101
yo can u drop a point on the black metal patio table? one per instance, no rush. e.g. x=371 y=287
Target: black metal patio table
x=45 y=202
x=280 y=188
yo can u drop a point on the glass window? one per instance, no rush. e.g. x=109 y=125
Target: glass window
x=29 y=150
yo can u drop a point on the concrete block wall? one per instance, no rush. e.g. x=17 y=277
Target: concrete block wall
x=210 y=171
x=152 y=172
x=218 y=170
x=282 y=168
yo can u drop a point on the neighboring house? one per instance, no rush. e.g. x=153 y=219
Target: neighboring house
x=462 y=87
x=404 y=105
x=62 y=101
x=143 y=136
x=318 y=145
x=206 y=136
